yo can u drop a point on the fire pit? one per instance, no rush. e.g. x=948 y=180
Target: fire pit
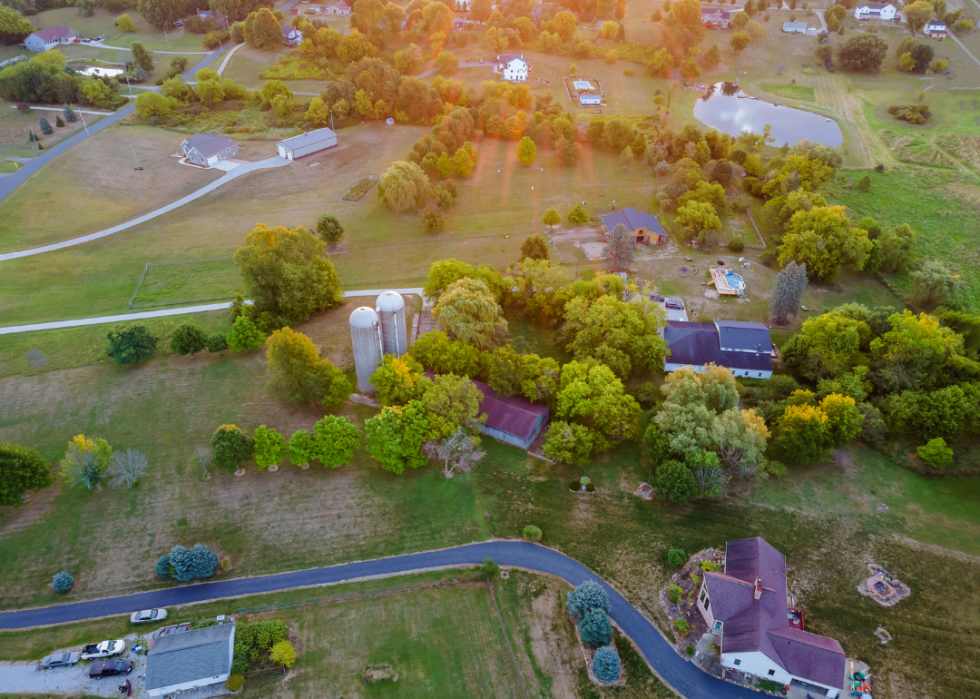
x=883 y=588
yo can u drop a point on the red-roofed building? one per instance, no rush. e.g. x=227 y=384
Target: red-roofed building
x=747 y=607
x=49 y=38
x=511 y=419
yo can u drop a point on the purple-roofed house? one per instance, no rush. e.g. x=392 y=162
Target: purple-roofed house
x=645 y=228
x=747 y=606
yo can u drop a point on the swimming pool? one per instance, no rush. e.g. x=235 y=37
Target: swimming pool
x=735 y=282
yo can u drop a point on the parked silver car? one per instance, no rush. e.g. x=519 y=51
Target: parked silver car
x=59 y=660
x=148 y=615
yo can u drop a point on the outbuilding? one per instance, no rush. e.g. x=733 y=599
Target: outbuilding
x=338 y=8
x=645 y=228
x=206 y=149
x=46 y=39
x=511 y=419
x=794 y=27
x=192 y=660
x=587 y=100
x=306 y=144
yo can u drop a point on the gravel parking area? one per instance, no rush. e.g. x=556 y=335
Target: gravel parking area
x=26 y=678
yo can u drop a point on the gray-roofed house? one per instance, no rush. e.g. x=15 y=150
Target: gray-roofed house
x=306 y=144
x=762 y=636
x=794 y=27
x=206 y=149
x=645 y=228
x=191 y=660
x=743 y=348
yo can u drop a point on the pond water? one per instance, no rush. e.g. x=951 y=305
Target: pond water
x=728 y=109
x=100 y=71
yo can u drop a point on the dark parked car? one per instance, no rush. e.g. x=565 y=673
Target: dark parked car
x=675 y=304
x=110 y=668
x=59 y=660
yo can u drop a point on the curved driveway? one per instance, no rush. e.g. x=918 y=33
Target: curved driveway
x=681 y=675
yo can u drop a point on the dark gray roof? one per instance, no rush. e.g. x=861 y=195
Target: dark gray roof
x=309 y=138
x=207 y=144
x=188 y=657
x=633 y=219
x=737 y=335
x=696 y=344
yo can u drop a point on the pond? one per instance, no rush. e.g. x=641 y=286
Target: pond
x=101 y=72
x=728 y=109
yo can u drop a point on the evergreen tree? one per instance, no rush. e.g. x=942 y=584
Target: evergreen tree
x=588 y=595
x=70 y=115
x=595 y=628
x=187 y=338
x=62 y=582
x=787 y=292
x=605 y=664
x=621 y=33
x=58 y=121
x=619 y=250
x=45 y=126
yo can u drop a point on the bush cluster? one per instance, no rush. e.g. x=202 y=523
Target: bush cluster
x=254 y=642
x=185 y=564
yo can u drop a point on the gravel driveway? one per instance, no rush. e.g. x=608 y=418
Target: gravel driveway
x=24 y=677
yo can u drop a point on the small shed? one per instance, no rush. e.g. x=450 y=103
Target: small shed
x=511 y=419
x=794 y=27
x=587 y=100
x=206 y=149
x=306 y=144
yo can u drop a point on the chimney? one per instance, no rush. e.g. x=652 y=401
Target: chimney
x=758 y=588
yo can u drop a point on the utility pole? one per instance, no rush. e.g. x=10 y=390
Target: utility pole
x=137 y=160
x=82 y=117
x=167 y=38
x=128 y=85
x=331 y=119
x=34 y=141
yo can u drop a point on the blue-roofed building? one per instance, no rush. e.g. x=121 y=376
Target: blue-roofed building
x=743 y=348
x=645 y=228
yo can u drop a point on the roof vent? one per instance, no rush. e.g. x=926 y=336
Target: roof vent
x=758 y=588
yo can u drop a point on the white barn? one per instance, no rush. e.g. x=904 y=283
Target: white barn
x=513 y=67
x=875 y=10
x=47 y=39
x=306 y=144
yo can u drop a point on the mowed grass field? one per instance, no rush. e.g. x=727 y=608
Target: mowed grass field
x=16 y=127
x=104 y=23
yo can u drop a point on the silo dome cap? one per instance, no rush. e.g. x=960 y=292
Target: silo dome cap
x=363 y=317
x=390 y=301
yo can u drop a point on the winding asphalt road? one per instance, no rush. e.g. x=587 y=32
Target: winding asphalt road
x=8 y=183
x=681 y=675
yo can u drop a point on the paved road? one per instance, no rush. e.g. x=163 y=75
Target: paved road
x=242 y=169
x=11 y=182
x=683 y=676
x=164 y=313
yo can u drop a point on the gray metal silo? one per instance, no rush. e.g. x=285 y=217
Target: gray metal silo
x=364 y=335
x=391 y=309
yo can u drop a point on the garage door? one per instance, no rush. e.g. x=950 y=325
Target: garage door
x=282 y=151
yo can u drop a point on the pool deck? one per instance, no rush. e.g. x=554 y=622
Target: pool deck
x=721 y=283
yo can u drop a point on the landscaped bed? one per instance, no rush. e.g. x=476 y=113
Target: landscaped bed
x=360 y=189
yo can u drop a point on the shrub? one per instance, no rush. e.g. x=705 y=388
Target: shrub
x=187 y=338
x=62 y=582
x=235 y=682
x=162 y=567
x=230 y=447
x=188 y=564
x=674 y=594
x=916 y=114
x=329 y=228
x=58 y=121
x=676 y=557
x=225 y=563
x=215 y=39
x=595 y=628
x=628 y=72
x=690 y=649
x=864 y=185
x=46 y=128
x=532 y=533
x=130 y=344
x=736 y=245
x=21 y=469
x=489 y=570
x=254 y=641
x=283 y=653
x=588 y=595
x=605 y=664
x=217 y=343
x=936 y=453
x=682 y=625
x=244 y=335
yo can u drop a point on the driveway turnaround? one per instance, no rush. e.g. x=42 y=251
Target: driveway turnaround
x=682 y=676
x=9 y=183
x=163 y=313
x=242 y=169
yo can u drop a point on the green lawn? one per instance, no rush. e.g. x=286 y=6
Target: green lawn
x=939 y=204
x=796 y=92
x=103 y=23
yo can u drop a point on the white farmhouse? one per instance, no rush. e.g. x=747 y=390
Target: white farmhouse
x=875 y=10
x=49 y=38
x=513 y=67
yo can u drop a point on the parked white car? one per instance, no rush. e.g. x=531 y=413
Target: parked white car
x=106 y=649
x=148 y=615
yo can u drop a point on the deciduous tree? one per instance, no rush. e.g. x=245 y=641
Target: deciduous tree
x=862 y=53
x=297 y=372
x=535 y=247
x=936 y=453
x=187 y=338
x=230 y=448
x=329 y=228
x=551 y=217
x=527 y=152
x=130 y=344
x=86 y=461
x=824 y=239
x=674 y=481
x=459 y=451
x=244 y=335
x=21 y=469
x=269 y=447
x=396 y=435
x=468 y=311
x=403 y=186
x=452 y=402
x=262 y=30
